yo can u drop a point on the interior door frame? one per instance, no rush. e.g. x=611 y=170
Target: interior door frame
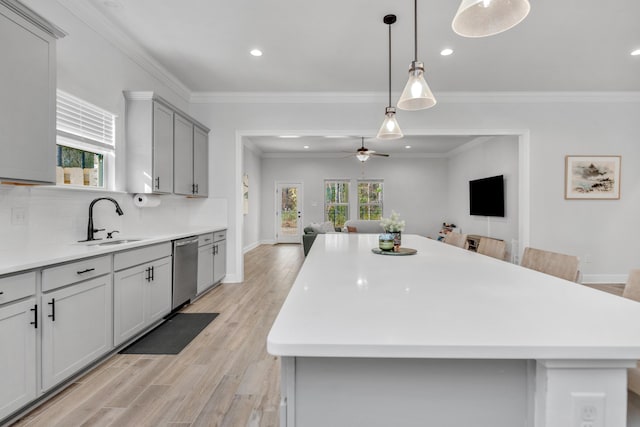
x=278 y=185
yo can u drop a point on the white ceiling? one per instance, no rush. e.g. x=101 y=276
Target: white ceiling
x=420 y=145
x=342 y=46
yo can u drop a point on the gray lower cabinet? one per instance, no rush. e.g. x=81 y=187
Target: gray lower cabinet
x=76 y=317
x=205 y=267
x=212 y=259
x=18 y=334
x=76 y=328
x=28 y=101
x=219 y=260
x=142 y=289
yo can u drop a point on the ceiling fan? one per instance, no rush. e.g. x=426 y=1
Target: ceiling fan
x=363 y=153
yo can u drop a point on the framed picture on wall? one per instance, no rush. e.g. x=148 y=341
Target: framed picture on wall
x=592 y=177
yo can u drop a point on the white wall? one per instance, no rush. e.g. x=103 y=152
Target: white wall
x=557 y=125
x=496 y=156
x=92 y=68
x=252 y=166
x=412 y=187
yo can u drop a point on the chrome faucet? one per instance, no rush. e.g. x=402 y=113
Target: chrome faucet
x=90 y=229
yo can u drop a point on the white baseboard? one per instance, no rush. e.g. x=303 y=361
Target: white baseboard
x=604 y=278
x=268 y=242
x=231 y=278
x=250 y=247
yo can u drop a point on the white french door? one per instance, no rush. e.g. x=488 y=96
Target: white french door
x=288 y=212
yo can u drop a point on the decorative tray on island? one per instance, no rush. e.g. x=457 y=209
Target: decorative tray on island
x=401 y=251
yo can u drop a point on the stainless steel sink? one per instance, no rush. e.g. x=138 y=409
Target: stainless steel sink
x=108 y=242
x=116 y=242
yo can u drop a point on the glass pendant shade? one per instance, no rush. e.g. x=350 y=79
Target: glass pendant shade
x=416 y=94
x=390 y=128
x=482 y=18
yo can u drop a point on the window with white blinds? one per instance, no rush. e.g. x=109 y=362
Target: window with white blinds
x=79 y=120
x=86 y=143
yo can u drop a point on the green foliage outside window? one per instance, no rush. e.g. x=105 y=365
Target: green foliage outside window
x=370 y=200
x=336 y=202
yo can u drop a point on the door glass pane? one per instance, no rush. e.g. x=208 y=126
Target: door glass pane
x=289 y=211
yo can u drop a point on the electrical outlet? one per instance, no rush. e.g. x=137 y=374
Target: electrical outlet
x=588 y=409
x=19 y=216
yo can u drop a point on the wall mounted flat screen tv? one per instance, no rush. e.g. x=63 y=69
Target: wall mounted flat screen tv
x=486 y=196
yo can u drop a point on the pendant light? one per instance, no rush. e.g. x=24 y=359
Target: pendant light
x=416 y=94
x=481 y=18
x=390 y=128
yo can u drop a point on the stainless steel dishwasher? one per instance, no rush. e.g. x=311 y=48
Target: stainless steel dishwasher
x=185 y=271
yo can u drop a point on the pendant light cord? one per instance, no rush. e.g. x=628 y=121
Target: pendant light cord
x=415 y=30
x=389 y=65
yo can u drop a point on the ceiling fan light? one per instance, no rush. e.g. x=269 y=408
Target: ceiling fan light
x=482 y=18
x=363 y=157
x=390 y=128
x=416 y=94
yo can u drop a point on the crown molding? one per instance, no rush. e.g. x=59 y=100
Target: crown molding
x=91 y=16
x=442 y=97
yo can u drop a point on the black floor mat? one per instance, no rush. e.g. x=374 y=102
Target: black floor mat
x=172 y=336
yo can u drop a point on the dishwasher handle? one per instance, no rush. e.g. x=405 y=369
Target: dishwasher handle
x=179 y=243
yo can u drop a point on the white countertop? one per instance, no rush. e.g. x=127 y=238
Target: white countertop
x=444 y=302
x=32 y=255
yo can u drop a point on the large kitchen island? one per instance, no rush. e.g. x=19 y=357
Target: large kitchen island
x=447 y=337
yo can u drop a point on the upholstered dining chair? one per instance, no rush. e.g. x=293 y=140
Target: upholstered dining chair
x=632 y=291
x=456 y=239
x=492 y=247
x=553 y=263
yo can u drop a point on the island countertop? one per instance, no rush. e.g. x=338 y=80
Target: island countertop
x=443 y=302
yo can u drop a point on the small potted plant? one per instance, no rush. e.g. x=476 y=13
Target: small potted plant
x=394 y=226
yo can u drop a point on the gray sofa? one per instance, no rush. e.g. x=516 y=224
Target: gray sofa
x=312 y=230
x=364 y=226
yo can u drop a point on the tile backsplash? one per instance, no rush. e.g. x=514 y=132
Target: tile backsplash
x=58 y=215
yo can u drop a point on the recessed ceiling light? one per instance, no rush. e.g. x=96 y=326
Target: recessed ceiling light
x=335 y=136
x=289 y=136
x=256 y=52
x=306 y=147
x=635 y=52
x=407 y=146
x=446 y=52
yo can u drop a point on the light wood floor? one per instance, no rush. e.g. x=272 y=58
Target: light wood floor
x=225 y=377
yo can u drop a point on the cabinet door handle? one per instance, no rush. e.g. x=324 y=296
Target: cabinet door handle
x=85 y=271
x=35 y=316
x=148 y=276
x=1 y=292
x=197 y=189
x=152 y=271
x=157 y=183
x=53 y=309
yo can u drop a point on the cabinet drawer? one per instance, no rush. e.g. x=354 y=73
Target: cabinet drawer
x=56 y=277
x=219 y=235
x=13 y=288
x=205 y=239
x=126 y=259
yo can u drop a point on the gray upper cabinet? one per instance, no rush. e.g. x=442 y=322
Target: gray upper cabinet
x=183 y=156
x=27 y=95
x=191 y=157
x=201 y=161
x=149 y=144
x=161 y=143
